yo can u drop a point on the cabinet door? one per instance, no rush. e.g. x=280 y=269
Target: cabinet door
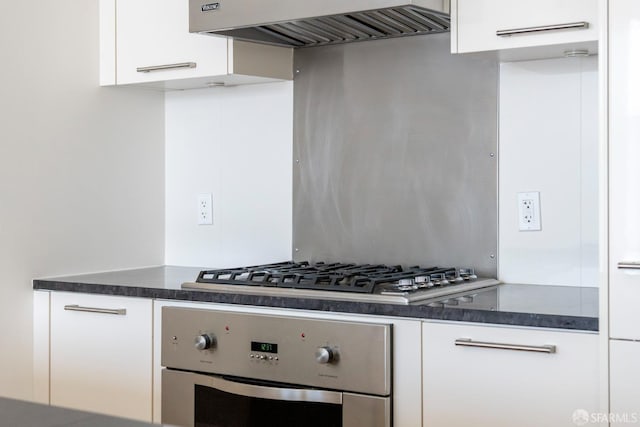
x=464 y=386
x=155 y=33
x=101 y=356
x=624 y=379
x=624 y=169
x=478 y=21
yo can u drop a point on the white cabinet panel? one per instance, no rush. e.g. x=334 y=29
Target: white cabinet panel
x=478 y=21
x=148 y=42
x=101 y=362
x=153 y=33
x=624 y=377
x=41 y=304
x=624 y=170
x=466 y=386
x=624 y=210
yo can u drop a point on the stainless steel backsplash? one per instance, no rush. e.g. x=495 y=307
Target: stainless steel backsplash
x=395 y=154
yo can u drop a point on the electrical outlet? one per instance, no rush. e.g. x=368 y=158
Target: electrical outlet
x=529 y=211
x=205 y=209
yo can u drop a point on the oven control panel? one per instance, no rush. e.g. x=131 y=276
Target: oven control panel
x=322 y=353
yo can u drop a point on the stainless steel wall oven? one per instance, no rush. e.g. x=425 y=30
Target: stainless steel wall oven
x=250 y=370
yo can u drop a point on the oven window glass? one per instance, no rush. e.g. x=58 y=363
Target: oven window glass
x=215 y=408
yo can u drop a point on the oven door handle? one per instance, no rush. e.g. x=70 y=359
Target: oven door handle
x=276 y=393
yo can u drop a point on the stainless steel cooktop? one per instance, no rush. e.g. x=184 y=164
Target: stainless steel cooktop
x=346 y=282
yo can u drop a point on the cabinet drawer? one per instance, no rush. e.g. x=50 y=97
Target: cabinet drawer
x=101 y=354
x=486 y=24
x=497 y=376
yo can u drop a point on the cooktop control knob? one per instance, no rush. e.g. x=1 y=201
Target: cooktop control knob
x=325 y=355
x=204 y=342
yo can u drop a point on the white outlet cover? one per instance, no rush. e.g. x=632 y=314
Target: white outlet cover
x=529 y=211
x=205 y=209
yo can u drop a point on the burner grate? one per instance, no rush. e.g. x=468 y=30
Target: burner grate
x=360 y=278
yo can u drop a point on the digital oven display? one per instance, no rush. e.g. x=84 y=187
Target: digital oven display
x=265 y=347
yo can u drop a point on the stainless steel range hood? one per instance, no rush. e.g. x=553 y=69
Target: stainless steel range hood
x=306 y=23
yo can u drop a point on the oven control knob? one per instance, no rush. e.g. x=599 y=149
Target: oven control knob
x=325 y=355
x=204 y=342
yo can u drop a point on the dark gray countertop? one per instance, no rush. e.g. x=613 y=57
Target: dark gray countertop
x=563 y=307
x=17 y=413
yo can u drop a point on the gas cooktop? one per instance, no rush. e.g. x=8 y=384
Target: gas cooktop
x=338 y=281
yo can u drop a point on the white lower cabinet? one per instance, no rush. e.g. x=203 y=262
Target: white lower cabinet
x=103 y=358
x=503 y=376
x=101 y=354
x=624 y=380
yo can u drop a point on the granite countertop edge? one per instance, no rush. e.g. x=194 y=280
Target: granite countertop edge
x=421 y=312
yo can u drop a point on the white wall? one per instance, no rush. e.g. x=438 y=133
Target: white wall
x=81 y=167
x=548 y=143
x=236 y=143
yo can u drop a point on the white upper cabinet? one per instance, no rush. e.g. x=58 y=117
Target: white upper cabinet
x=148 y=41
x=482 y=25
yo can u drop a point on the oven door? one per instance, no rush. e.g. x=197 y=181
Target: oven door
x=198 y=400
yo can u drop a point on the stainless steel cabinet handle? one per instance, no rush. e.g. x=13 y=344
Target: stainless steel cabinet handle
x=116 y=311
x=465 y=342
x=166 y=67
x=542 y=28
x=631 y=265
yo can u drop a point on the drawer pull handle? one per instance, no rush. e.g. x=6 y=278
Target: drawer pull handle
x=542 y=28
x=465 y=342
x=116 y=311
x=629 y=265
x=166 y=67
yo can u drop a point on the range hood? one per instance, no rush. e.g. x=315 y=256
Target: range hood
x=307 y=23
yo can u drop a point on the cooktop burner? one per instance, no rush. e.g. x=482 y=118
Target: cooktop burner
x=359 y=282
